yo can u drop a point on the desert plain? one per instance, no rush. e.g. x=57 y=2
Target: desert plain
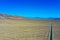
x=26 y=29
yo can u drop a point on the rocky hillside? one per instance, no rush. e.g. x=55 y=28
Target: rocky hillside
x=5 y=16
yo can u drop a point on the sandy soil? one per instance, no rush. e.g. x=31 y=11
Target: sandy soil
x=28 y=29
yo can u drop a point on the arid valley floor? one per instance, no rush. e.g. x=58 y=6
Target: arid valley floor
x=28 y=29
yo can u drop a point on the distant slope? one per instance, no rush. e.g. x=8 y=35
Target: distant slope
x=6 y=16
x=38 y=18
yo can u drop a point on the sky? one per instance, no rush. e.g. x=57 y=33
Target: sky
x=31 y=8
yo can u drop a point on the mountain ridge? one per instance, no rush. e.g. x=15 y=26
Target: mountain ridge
x=6 y=16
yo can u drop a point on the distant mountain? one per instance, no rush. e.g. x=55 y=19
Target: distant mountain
x=5 y=16
x=38 y=18
x=57 y=19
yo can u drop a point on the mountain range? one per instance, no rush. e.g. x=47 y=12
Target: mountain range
x=5 y=16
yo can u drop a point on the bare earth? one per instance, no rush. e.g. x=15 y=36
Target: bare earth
x=28 y=30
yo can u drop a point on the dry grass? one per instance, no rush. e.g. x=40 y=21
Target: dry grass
x=25 y=29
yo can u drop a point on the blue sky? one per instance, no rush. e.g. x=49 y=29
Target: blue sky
x=31 y=8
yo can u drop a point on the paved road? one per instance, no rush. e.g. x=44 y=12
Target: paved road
x=51 y=33
x=56 y=30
